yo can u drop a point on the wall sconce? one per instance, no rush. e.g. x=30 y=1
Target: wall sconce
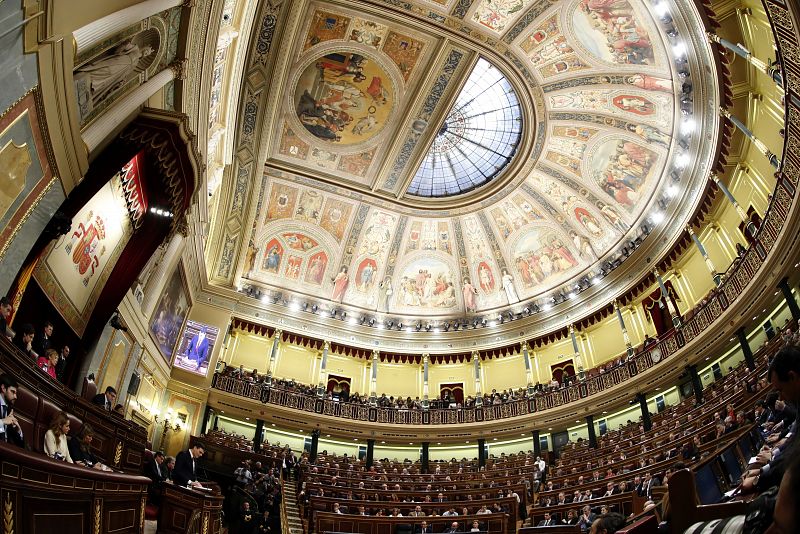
x=167 y=425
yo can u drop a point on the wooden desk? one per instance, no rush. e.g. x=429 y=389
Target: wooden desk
x=183 y=509
x=327 y=522
x=42 y=495
x=554 y=529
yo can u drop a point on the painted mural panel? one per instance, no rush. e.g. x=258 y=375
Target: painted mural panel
x=344 y=98
x=335 y=217
x=550 y=51
x=356 y=164
x=613 y=32
x=541 y=255
x=170 y=313
x=291 y=145
x=498 y=14
x=25 y=172
x=621 y=170
x=77 y=266
x=429 y=235
x=426 y=283
x=368 y=32
x=281 y=204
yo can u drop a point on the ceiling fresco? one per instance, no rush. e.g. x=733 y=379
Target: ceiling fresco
x=361 y=106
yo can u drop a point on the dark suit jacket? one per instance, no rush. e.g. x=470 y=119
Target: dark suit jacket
x=77 y=454
x=100 y=400
x=151 y=472
x=183 y=471
x=12 y=435
x=61 y=368
x=21 y=346
x=40 y=343
x=197 y=350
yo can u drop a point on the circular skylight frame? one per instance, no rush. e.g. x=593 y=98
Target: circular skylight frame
x=477 y=140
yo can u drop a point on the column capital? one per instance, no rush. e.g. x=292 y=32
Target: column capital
x=179 y=67
x=616 y=304
x=376 y=354
x=326 y=345
x=712 y=37
x=724 y=112
x=277 y=334
x=475 y=355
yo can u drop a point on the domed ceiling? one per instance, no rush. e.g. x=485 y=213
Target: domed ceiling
x=439 y=158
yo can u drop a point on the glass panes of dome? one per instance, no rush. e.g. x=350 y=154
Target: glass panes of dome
x=476 y=141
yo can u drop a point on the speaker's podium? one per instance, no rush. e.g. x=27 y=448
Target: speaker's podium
x=190 y=510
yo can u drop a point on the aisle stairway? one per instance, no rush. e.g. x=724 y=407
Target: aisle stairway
x=292 y=510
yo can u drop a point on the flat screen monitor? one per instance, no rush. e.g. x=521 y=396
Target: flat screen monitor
x=707 y=487
x=746 y=446
x=732 y=466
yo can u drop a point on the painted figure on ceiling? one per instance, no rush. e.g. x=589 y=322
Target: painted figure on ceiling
x=340 y=285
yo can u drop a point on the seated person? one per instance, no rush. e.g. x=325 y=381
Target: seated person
x=24 y=340
x=10 y=431
x=55 y=439
x=80 y=449
x=608 y=523
x=155 y=469
x=547 y=521
x=48 y=362
x=476 y=526
x=5 y=313
x=452 y=528
x=106 y=399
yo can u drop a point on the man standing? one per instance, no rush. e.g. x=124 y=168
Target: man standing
x=43 y=341
x=10 y=431
x=106 y=400
x=157 y=473
x=61 y=366
x=185 y=472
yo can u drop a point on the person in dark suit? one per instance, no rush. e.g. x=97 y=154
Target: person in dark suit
x=185 y=472
x=24 y=340
x=5 y=313
x=43 y=341
x=423 y=528
x=10 y=431
x=61 y=366
x=453 y=528
x=197 y=351
x=547 y=521
x=106 y=400
x=155 y=469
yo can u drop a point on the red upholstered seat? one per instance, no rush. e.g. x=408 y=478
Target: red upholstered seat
x=151 y=512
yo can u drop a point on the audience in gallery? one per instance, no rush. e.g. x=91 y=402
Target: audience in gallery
x=55 y=439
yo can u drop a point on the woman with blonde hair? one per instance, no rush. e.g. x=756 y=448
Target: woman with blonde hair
x=55 y=439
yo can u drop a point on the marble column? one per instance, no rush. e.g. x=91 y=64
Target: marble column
x=625 y=337
x=370 y=452
x=98 y=30
x=528 y=369
x=714 y=274
x=373 y=393
x=312 y=456
x=425 y=401
x=425 y=458
x=576 y=353
x=481 y=452
x=773 y=159
x=697 y=384
x=783 y=285
x=273 y=353
x=105 y=124
x=676 y=319
x=767 y=68
x=537 y=443
x=326 y=345
x=590 y=429
x=476 y=364
x=156 y=282
x=259 y=435
x=647 y=422
x=741 y=334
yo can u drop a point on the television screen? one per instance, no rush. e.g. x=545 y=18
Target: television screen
x=732 y=466
x=195 y=347
x=707 y=487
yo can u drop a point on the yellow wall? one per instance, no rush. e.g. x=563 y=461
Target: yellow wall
x=449 y=374
x=294 y=362
x=406 y=378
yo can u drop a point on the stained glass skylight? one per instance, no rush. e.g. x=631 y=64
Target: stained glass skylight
x=477 y=140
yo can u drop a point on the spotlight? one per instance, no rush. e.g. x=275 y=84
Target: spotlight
x=305 y=306
x=657 y=217
x=418 y=326
x=688 y=126
x=428 y=327
x=314 y=308
x=446 y=327
x=456 y=326
x=526 y=310
x=679 y=50
x=484 y=322
x=363 y=319
x=399 y=326
x=389 y=324
x=372 y=321
x=344 y=314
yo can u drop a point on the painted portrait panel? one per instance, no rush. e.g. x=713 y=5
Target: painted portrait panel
x=282 y=199
x=25 y=172
x=404 y=51
x=317 y=264
x=291 y=145
x=325 y=26
x=298 y=241
x=293 y=266
x=170 y=313
x=368 y=32
x=344 y=98
x=272 y=256
x=426 y=283
x=309 y=208
x=498 y=14
x=335 y=216
x=377 y=234
x=356 y=164
x=366 y=273
x=196 y=347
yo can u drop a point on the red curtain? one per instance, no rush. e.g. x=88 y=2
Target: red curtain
x=560 y=370
x=455 y=390
x=659 y=316
x=337 y=384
